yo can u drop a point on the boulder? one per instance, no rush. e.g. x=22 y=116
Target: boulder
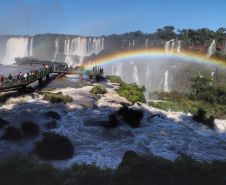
x=3 y=123
x=51 y=124
x=128 y=158
x=53 y=115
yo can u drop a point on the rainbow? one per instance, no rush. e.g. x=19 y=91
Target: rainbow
x=150 y=53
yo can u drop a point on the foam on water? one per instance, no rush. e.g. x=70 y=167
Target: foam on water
x=164 y=135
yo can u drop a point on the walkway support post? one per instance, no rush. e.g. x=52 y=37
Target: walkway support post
x=40 y=81
x=47 y=76
x=98 y=78
x=91 y=79
x=81 y=77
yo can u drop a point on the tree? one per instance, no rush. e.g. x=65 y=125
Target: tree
x=200 y=84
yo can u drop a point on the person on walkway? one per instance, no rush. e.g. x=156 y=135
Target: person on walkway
x=1 y=83
x=25 y=76
x=18 y=78
x=10 y=77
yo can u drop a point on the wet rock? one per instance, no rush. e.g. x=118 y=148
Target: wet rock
x=3 y=123
x=53 y=115
x=99 y=123
x=127 y=159
x=51 y=124
x=117 y=133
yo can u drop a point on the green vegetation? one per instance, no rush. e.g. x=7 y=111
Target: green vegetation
x=20 y=170
x=12 y=133
x=130 y=116
x=133 y=170
x=57 y=98
x=30 y=128
x=132 y=92
x=98 y=89
x=207 y=95
x=114 y=79
x=54 y=147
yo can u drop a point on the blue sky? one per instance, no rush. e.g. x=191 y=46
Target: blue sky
x=105 y=17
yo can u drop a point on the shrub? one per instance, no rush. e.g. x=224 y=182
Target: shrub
x=30 y=128
x=98 y=90
x=54 y=147
x=200 y=116
x=23 y=170
x=114 y=79
x=130 y=116
x=57 y=98
x=12 y=133
x=132 y=92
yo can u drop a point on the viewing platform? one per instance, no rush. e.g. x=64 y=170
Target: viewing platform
x=16 y=83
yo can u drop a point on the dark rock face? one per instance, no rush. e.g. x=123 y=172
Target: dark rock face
x=3 y=123
x=53 y=115
x=51 y=124
x=128 y=157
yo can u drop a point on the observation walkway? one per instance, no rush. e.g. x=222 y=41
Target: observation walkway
x=38 y=75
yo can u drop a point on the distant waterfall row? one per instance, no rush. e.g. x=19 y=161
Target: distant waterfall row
x=172 y=46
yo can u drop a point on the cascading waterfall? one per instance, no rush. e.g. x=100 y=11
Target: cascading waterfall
x=211 y=49
x=112 y=69
x=146 y=43
x=166 y=83
x=133 y=42
x=31 y=47
x=172 y=45
x=167 y=44
x=81 y=47
x=135 y=75
x=147 y=76
x=118 y=69
x=129 y=44
x=56 y=49
x=178 y=46
x=15 y=47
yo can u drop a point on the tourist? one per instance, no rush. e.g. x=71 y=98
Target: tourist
x=25 y=76
x=18 y=78
x=10 y=77
x=2 y=81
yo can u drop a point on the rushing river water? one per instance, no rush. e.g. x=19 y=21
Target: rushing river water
x=164 y=136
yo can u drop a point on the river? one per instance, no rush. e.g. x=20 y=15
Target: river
x=164 y=136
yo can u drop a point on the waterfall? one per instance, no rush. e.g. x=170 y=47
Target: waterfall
x=81 y=47
x=56 y=49
x=31 y=47
x=178 y=46
x=211 y=49
x=118 y=69
x=167 y=44
x=135 y=75
x=129 y=44
x=146 y=43
x=133 y=42
x=172 y=45
x=166 y=83
x=112 y=70
x=147 y=76
x=15 y=47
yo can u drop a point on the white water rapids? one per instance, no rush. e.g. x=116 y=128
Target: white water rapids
x=164 y=136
